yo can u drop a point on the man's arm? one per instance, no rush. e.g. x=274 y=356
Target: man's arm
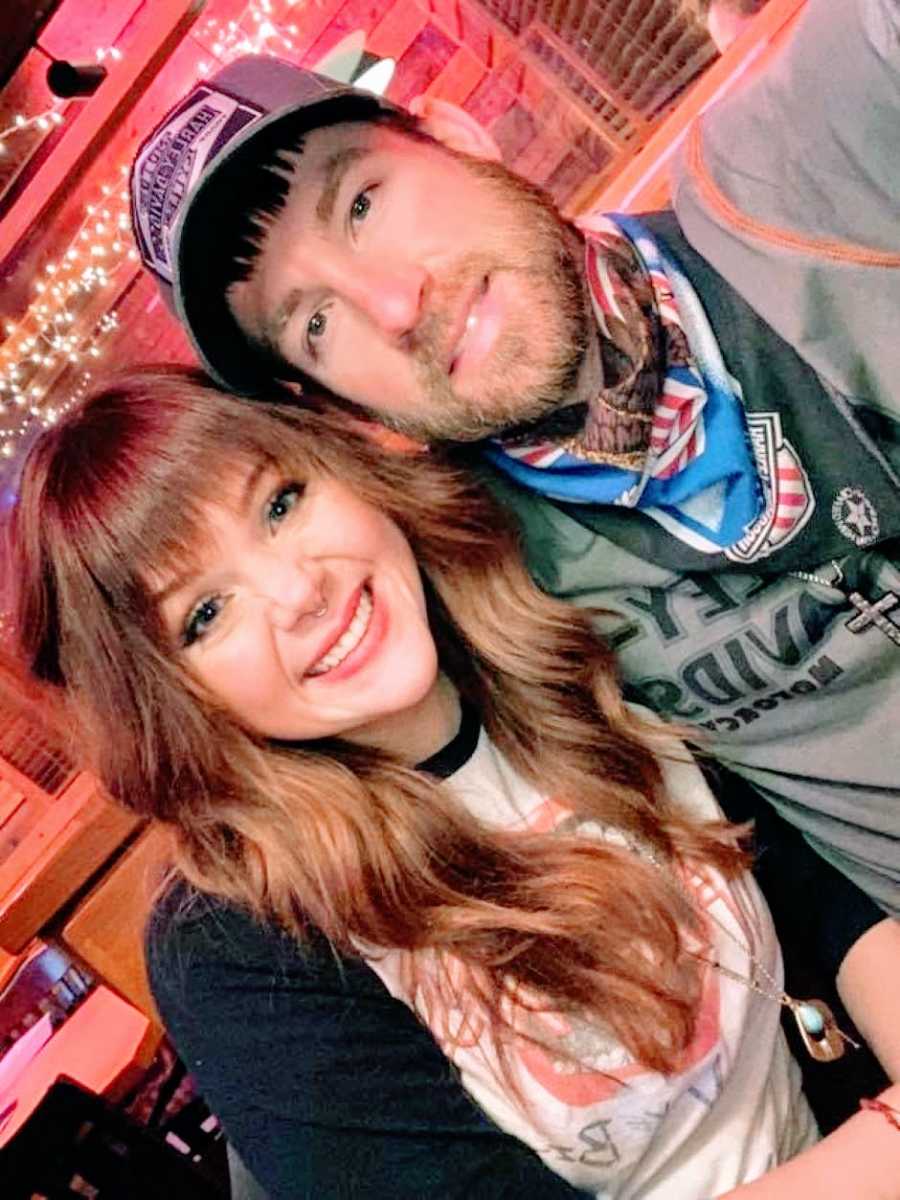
x=869 y=984
x=860 y=1160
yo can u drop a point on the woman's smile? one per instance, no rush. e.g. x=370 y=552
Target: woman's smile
x=351 y=648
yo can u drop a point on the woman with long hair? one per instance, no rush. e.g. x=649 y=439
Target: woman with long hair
x=442 y=905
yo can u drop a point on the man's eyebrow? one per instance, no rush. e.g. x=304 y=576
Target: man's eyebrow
x=336 y=167
x=273 y=327
x=333 y=173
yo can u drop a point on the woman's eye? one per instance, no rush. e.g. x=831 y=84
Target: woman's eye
x=359 y=209
x=200 y=620
x=283 y=502
x=316 y=325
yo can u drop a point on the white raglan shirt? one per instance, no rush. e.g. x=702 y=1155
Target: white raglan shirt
x=602 y=1121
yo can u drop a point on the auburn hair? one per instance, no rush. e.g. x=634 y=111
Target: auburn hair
x=350 y=840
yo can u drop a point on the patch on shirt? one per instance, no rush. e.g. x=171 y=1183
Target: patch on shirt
x=855 y=516
x=789 y=501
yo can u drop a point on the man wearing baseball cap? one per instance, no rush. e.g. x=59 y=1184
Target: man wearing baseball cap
x=726 y=484
x=695 y=413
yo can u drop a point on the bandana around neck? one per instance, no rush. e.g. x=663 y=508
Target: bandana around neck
x=667 y=433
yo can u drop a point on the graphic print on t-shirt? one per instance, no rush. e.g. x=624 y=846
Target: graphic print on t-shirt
x=605 y=1122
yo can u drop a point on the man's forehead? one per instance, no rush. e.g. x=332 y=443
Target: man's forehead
x=316 y=171
x=320 y=146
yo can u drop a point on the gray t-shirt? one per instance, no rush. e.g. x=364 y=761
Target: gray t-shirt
x=766 y=667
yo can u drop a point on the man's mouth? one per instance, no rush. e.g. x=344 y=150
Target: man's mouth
x=468 y=334
x=353 y=631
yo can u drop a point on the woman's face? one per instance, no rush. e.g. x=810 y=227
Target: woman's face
x=302 y=612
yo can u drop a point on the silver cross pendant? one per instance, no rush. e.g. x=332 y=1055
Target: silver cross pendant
x=869 y=614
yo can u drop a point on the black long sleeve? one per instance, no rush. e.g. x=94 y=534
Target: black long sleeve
x=326 y=1086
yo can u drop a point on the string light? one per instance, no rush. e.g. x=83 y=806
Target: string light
x=44 y=356
x=42 y=121
x=61 y=328
x=231 y=39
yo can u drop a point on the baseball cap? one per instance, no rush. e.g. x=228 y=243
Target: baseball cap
x=186 y=189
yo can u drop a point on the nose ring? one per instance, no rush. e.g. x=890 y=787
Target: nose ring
x=322 y=609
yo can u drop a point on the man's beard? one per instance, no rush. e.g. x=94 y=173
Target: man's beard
x=533 y=368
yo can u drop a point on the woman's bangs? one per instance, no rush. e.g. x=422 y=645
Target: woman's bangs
x=175 y=530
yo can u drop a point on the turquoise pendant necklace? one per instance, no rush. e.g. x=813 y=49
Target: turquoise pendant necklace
x=819 y=1031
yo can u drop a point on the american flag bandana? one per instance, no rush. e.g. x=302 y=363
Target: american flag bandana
x=696 y=475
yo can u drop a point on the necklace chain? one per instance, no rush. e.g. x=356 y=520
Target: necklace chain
x=823 y=1039
x=811 y=577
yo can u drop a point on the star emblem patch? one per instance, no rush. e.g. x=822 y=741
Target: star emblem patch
x=855 y=516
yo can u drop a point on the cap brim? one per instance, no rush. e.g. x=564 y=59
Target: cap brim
x=223 y=348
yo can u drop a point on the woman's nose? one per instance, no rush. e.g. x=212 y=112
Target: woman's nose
x=292 y=590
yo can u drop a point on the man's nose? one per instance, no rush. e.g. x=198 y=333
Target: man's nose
x=390 y=296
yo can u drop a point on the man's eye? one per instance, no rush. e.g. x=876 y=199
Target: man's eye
x=315 y=327
x=359 y=209
x=283 y=502
x=201 y=618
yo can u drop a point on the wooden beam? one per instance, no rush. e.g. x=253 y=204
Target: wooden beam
x=643 y=182
x=21 y=21
x=157 y=28
x=82 y=828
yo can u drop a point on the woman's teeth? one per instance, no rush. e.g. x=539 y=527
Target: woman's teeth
x=349 y=639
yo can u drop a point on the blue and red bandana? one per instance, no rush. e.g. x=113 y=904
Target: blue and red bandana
x=695 y=472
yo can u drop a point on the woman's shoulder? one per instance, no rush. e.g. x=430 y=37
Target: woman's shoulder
x=199 y=947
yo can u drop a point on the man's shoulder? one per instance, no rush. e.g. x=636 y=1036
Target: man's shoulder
x=567 y=548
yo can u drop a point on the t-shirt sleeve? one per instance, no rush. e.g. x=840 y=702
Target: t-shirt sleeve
x=326 y=1086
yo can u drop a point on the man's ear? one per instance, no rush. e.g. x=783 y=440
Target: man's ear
x=453 y=126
